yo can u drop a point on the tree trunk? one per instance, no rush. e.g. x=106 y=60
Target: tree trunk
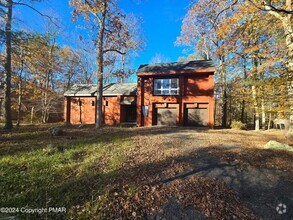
x=242 y=111
x=123 y=69
x=230 y=108
x=19 y=95
x=224 y=93
x=215 y=111
x=100 y=61
x=256 y=111
x=287 y=23
x=270 y=119
x=243 y=101
x=206 y=49
x=32 y=115
x=263 y=114
x=254 y=95
x=7 y=86
x=224 y=107
x=290 y=95
x=46 y=101
x=68 y=83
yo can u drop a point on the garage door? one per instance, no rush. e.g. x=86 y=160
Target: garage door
x=197 y=116
x=166 y=116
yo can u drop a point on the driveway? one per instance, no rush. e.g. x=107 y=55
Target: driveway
x=261 y=178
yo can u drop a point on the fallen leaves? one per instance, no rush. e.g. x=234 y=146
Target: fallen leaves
x=211 y=197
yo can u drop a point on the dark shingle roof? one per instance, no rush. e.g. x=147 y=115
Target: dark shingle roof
x=177 y=66
x=108 y=90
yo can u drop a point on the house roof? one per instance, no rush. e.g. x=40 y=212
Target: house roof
x=177 y=67
x=81 y=90
x=120 y=89
x=108 y=90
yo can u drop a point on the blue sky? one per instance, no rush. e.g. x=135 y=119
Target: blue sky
x=161 y=23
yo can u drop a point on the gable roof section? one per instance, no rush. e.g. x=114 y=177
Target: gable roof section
x=197 y=66
x=108 y=90
x=120 y=89
x=81 y=90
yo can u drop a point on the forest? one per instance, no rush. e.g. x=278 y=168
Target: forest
x=250 y=42
x=36 y=70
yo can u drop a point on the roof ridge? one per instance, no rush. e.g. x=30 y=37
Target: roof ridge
x=179 y=66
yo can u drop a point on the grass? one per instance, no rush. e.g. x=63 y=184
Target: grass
x=118 y=172
x=31 y=175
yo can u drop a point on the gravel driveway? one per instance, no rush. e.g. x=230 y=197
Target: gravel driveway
x=262 y=178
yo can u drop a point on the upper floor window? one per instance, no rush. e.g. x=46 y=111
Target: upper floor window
x=166 y=86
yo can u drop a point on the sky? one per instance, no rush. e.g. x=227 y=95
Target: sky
x=161 y=24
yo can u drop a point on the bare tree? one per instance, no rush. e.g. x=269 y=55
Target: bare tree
x=8 y=6
x=106 y=16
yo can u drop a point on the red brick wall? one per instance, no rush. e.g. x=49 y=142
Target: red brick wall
x=82 y=113
x=194 y=88
x=111 y=110
x=114 y=112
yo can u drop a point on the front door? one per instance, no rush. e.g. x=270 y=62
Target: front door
x=130 y=111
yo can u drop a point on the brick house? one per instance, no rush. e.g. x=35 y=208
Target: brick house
x=119 y=104
x=180 y=93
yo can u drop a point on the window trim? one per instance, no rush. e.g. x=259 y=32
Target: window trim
x=166 y=89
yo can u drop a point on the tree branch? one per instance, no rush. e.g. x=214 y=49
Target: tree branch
x=267 y=7
x=113 y=50
x=40 y=13
x=270 y=8
x=225 y=9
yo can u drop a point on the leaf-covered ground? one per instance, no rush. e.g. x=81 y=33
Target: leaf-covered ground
x=134 y=173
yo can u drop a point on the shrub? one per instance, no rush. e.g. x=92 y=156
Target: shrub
x=238 y=125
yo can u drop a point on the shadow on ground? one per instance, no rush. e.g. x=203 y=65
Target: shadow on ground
x=260 y=184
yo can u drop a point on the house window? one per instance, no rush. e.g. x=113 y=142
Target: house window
x=166 y=86
x=93 y=103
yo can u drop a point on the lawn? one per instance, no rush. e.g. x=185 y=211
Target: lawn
x=144 y=173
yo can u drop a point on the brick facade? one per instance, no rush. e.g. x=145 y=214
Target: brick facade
x=196 y=91
x=82 y=110
x=190 y=103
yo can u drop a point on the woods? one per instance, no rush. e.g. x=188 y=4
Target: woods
x=251 y=44
x=250 y=41
x=38 y=68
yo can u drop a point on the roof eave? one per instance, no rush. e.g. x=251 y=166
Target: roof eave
x=77 y=95
x=127 y=94
x=211 y=70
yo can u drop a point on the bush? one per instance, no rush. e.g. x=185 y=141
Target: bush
x=238 y=125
